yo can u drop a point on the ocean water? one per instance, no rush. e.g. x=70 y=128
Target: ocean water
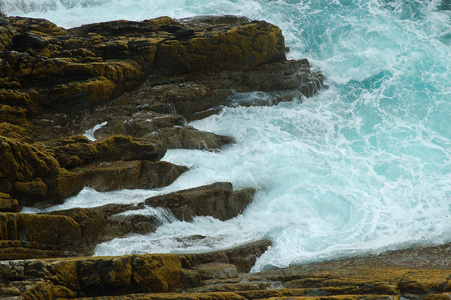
x=363 y=166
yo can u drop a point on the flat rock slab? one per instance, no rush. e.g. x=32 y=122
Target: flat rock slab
x=156 y=276
x=26 y=235
x=216 y=270
x=116 y=175
x=108 y=276
x=217 y=200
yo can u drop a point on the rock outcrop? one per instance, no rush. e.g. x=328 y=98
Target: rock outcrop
x=394 y=275
x=49 y=67
x=217 y=200
x=142 y=81
x=44 y=173
x=105 y=276
x=25 y=235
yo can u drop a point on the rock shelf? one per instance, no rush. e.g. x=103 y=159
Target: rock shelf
x=143 y=81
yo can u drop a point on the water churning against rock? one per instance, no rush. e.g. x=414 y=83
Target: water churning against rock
x=363 y=166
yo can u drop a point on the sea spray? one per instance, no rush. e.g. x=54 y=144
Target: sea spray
x=364 y=166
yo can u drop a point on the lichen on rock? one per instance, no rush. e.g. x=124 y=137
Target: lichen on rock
x=144 y=81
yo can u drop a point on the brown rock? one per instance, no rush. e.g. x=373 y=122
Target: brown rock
x=127 y=148
x=8 y=204
x=70 y=70
x=115 y=225
x=187 y=137
x=75 y=277
x=105 y=276
x=79 y=150
x=13 y=115
x=191 y=96
x=102 y=224
x=116 y=175
x=114 y=126
x=197 y=95
x=33 y=176
x=73 y=151
x=24 y=236
x=61 y=186
x=235 y=46
x=216 y=270
x=119 y=226
x=6 y=34
x=35 y=189
x=92 y=225
x=28 y=41
x=23 y=162
x=119 y=275
x=85 y=66
x=21 y=132
x=165 y=275
x=143 y=123
x=214 y=200
x=156 y=276
x=40 y=26
x=242 y=256
x=109 y=210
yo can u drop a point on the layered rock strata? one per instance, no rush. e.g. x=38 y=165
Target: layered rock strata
x=143 y=81
x=395 y=275
x=48 y=172
x=217 y=200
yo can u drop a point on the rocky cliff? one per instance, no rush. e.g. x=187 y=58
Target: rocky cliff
x=142 y=81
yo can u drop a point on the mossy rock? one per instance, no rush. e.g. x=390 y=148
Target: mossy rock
x=234 y=47
x=24 y=162
x=49 y=235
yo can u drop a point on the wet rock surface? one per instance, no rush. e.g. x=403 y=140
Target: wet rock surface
x=143 y=81
x=217 y=200
x=393 y=275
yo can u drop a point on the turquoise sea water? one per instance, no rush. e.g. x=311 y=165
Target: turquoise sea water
x=363 y=166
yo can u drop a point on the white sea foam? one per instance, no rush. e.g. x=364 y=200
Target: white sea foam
x=90 y=132
x=363 y=166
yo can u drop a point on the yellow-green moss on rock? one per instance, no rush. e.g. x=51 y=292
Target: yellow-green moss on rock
x=22 y=161
x=72 y=277
x=42 y=232
x=236 y=47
